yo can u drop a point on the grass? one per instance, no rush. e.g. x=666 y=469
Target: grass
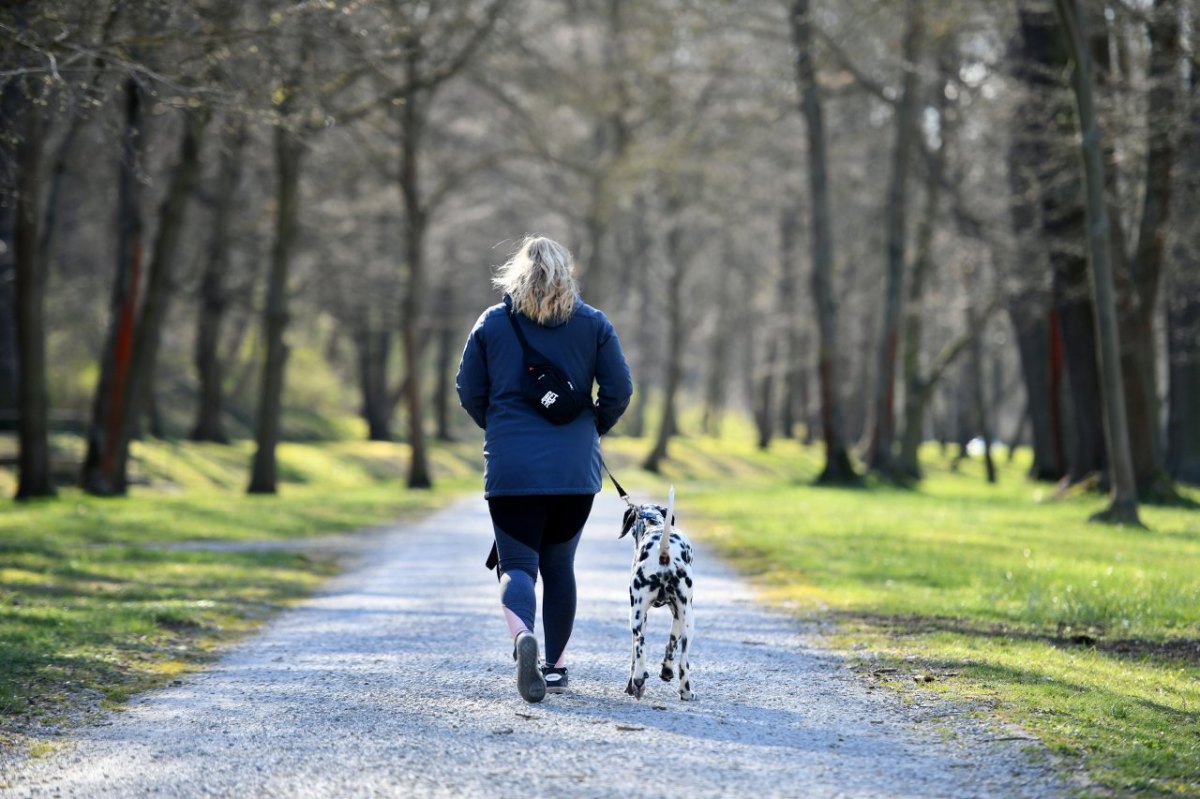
x=1086 y=635
x=95 y=604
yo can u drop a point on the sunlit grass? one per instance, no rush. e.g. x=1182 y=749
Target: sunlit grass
x=96 y=604
x=1088 y=635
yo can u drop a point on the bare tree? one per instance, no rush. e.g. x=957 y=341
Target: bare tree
x=879 y=451
x=1183 y=305
x=1123 y=508
x=214 y=296
x=102 y=459
x=838 y=468
x=289 y=150
x=676 y=269
x=20 y=104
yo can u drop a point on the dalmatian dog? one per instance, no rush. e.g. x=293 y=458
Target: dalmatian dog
x=661 y=576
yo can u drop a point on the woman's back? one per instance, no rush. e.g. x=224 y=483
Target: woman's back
x=524 y=453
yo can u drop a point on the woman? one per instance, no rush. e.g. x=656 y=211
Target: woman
x=540 y=478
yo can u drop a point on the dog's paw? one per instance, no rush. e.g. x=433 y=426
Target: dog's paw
x=635 y=688
x=667 y=673
x=685 y=691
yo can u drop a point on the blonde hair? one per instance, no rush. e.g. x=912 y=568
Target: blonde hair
x=540 y=278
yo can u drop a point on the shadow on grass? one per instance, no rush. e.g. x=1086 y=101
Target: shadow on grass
x=1165 y=651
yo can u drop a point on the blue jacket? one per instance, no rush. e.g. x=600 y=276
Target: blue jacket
x=524 y=453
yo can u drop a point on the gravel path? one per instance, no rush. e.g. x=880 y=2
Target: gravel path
x=396 y=681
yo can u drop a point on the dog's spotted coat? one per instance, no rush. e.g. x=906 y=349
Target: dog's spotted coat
x=653 y=584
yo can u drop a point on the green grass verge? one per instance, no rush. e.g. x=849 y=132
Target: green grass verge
x=95 y=604
x=1086 y=635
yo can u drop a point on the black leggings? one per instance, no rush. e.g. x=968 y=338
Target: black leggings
x=534 y=534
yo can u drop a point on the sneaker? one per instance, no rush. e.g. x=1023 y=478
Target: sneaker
x=530 y=683
x=556 y=679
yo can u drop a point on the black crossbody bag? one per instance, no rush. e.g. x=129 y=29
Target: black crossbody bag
x=546 y=387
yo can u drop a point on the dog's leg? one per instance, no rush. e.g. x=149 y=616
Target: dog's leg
x=685 y=669
x=668 y=666
x=639 y=601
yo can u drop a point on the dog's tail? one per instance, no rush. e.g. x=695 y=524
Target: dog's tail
x=664 y=543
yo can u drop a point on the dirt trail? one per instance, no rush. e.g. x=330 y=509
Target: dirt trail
x=396 y=681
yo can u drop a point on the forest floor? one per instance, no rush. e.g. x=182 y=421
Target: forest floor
x=396 y=679
x=974 y=602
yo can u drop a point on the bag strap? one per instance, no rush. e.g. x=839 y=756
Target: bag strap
x=531 y=355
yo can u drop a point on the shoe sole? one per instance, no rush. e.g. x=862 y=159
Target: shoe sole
x=560 y=689
x=530 y=683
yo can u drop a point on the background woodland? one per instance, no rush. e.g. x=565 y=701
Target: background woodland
x=869 y=223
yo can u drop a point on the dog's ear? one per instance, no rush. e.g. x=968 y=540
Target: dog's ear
x=662 y=511
x=627 y=524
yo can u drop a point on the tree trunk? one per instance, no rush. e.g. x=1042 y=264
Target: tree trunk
x=159 y=287
x=646 y=342
x=447 y=338
x=1183 y=308
x=1018 y=435
x=109 y=404
x=288 y=156
x=1043 y=164
x=1138 y=299
x=415 y=221
x=794 y=352
x=595 y=278
x=1035 y=329
x=33 y=464
x=373 y=349
x=8 y=320
x=803 y=400
x=1123 y=508
x=718 y=361
x=916 y=395
x=10 y=110
x=979 y=395
x=1075 y=313
x=764 y=410
x=1183 y=348
x=214 y=298
x=675 y=338
x=837 y=468
x=1035 y=322
x=879 y=453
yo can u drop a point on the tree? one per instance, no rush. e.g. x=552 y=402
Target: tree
x=837 y=468
x=1047 y=175
x=1139 y=272
x=214 y=295
x=918 y=389
x=1183 y=306
x=1123 y=507
x=879 y=453
x=672 y=305
x=431 y=49
x=289 y=150
x=20 y=104
x=102 y=459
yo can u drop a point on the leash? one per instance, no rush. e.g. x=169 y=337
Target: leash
x=664 y=555
x=620 y=489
